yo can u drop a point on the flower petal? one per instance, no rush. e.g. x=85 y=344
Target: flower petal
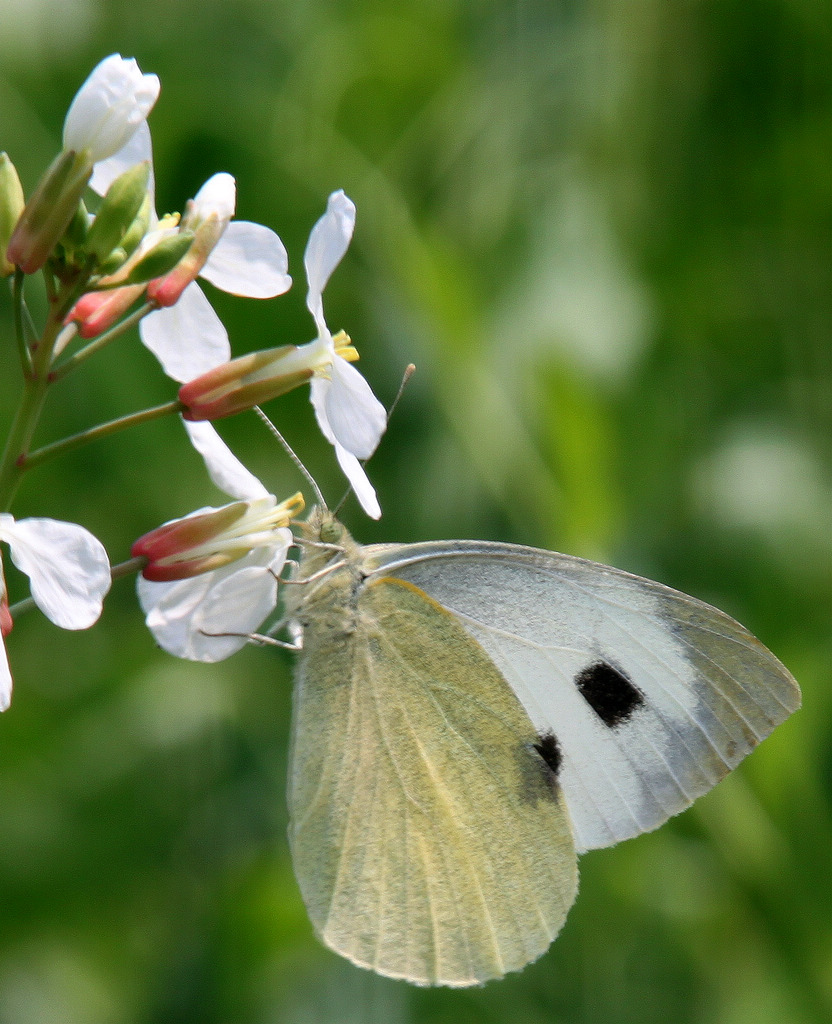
x=355 y=415
x=233 y=600
x=188 y=338
x=319 y=388
x=248 y=260
x=68 y=568
x=224 y=468
x=328 y=241
x=218 y=196
x=359 y=481
x=106 y=110
x=136 y=151
x=5 y=678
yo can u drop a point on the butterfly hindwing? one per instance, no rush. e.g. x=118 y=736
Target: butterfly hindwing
x=428 y=830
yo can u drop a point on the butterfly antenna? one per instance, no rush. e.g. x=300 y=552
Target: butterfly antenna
x=295 y=458
x=409 y=370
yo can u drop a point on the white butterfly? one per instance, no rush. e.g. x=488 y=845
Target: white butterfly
x=469 y=716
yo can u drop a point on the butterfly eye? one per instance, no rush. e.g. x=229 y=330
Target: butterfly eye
x=331 y=532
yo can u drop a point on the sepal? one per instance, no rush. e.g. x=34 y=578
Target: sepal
x=12 y=203
x=160 y=259
x=213 y=538
x=49 y=212
x=118 y=210
x=244 y=382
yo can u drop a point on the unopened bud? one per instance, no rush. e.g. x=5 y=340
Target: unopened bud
x=118 y=210
x=96 y=312
x=76 y=233
x=162 y=258
x=130 y=242
x=244 y=382
x=138 y=229
x=48 y=213
x=166 y=290
x=11 y=207
x=116 y=259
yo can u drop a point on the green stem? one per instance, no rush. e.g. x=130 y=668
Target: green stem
x=49 y=451
x=49 y=282
x=65 y=301
x=38 y=375
x=103 y=339
x=28 y=412
x=30 y=324
x=18 y=306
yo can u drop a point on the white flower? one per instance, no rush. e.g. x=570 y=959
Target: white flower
x=68 y=569
x=238 y=257
x=350 y=416
x=208 y=617
x=186 y=335
x=109 y=107
x=348 y=413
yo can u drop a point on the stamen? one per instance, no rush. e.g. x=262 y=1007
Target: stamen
x=344 y=347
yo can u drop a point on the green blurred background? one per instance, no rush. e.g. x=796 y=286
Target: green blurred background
x=603 y=233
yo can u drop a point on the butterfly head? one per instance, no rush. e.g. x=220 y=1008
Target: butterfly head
x=323 y=541
x=321 y=527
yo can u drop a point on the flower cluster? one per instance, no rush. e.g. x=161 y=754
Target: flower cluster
x=209 y=578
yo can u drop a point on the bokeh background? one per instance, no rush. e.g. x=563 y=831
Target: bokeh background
x=603 y=233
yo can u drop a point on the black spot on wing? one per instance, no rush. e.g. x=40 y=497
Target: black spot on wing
x=539 y=762
x=549 y=749
x=609 y=692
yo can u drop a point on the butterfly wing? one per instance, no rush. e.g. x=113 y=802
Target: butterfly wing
x=428 y=834
x=648 y=696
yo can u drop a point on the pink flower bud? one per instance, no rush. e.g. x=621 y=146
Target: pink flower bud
x=6 y=622
x=245 y=382
x=165 y=291
x=95 y=312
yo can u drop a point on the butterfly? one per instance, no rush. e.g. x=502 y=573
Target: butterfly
x=469 y=716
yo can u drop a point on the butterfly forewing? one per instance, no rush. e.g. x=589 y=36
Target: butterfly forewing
x=650 y=696
x=428 y=833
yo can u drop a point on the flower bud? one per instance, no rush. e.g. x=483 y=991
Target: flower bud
x=96 y=312
x=245 y=382
x=138 y=229
x=49 y=211
x=108 y=108
x=213 y=538
x=11 y=207
x=118 y=210
x=116 y=260
x=76 y=233
x=160 y=258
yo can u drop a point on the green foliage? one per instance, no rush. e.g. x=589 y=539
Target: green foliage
x=602 y=234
